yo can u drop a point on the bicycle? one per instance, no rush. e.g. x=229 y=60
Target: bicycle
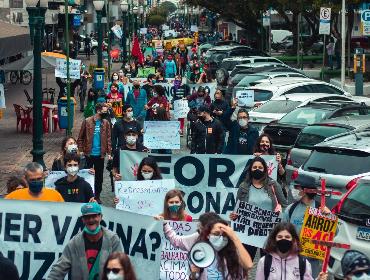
x=24 y=76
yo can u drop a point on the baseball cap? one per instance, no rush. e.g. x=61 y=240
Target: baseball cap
x=305 y=182
x=131 y=129
x=204 y=108
x=353 y=260
x=90 y=208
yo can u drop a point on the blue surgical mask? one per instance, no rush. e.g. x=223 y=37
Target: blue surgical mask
x=218 y=242
x=94 y=232
x=174 y=208
x=35 y=186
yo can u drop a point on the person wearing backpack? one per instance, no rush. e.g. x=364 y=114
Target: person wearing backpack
x=294 y=213
x=282 y=259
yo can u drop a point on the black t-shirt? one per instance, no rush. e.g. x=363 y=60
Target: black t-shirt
x=116 y=161
x=92 y=250
x=243 y=141
x=77 y=191
x=8 y=270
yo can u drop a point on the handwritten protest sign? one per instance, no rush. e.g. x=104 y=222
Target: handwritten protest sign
x=143 y=197
x=254 y=223
x=245 y=98
x=209 y=182
x=117 y=30
x=174 y=262
x=317 y=226
x=180 y=108
x=34 y=234
x=61 y=68
x=56 y=175
x=162 y=134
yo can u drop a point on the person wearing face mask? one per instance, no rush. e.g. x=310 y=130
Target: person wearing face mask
x=180 y=91
x=207 y=133
x=283 y=260
x=242 y=137
x=295 y=212
x=232 y=261
x=137 y=98
x=132 y=144
x=118 y=267
x=159 y=99
x=149 y=86
x=122 y=77
x=73 y=188
x=115 y=100
x=355 y=266
x=87 y=252
x=170 y=68
x=34 y=177
x=122 y=125
x=94 y=140
x=199 y=98
x=174 y=207
x=115 y=79
x=257 y=188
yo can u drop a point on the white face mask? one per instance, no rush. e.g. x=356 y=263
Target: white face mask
x=115 y=77
x=72 y=148
x=147 y=176
x=129 y=115
x=218 y=242
x=363 y=276
x=72 y=170
x=131 y=140
x=295 y=194
x=243 y=122
x=112 y=276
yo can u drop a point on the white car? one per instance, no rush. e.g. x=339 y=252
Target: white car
x=94 y=45
x=229 y=63
x=278 y=107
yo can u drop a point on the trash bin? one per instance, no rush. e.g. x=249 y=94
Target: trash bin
x=99 y=78
x=63 y=112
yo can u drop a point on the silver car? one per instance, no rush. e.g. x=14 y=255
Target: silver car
x=318 y=132
x=341 y=161
x=353 y=212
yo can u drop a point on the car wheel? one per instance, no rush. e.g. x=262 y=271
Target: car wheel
x=221 y=76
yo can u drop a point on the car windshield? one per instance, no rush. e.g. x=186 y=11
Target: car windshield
x=277 y=106
x=262 y=95
x=245 y=82
x=306 y=115
x=357 y=205
x=218 y=57
x=312 y=135
x=338 y=162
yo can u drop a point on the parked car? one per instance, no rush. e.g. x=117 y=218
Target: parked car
x=277 y=107
x=279 y=34
x=285 y=131
x=353 y=212
x=319 y=132
x=229 y=63
x=341 y=161
x=287 y=45
x=94 y=45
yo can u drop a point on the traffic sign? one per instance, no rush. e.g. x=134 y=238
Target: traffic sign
x=325 y=15
x=365 y=16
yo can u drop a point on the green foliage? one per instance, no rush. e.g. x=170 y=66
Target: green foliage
x=156 y=19
x=168 y=7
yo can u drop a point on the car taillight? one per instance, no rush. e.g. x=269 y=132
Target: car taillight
x=289 y=158
x=351 y=184
x=294 y=174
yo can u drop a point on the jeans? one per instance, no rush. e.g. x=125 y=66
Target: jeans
x=330 y=61
x=97 y=162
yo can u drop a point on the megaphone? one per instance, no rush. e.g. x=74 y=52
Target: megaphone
x=202 y=254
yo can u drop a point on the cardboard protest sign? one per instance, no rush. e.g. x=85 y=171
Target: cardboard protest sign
x=317 y=226
x=117 y=30
x=174 y=262
x=74 y=68
x=180 y=108
x=208 y=181
x=34 y=235
x=162 y=134
x=245 y=98
x=254 y=223
x=56 y=175
x=116 y=105
x=143 y=197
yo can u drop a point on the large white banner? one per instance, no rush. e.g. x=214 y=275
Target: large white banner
x=74 y=68
x=143 y=197
x=54 y=176
x=208 y=181
x=174 y=262
x=162 y=134
x=34 y=234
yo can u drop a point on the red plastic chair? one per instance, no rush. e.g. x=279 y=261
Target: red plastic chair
x=45 y=119
x=23 y=117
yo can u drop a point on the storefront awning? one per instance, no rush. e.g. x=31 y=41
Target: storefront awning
x=13 y=39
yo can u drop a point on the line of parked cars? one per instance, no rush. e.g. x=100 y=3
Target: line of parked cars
x=320 y=129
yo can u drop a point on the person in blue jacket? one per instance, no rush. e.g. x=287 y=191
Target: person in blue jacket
x=137 y=98
x=242 y=137
x=170 y=67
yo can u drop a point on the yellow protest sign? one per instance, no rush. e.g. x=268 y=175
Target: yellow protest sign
x=320 y=227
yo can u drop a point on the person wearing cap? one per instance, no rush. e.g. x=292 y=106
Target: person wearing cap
x=295 y=212
x=131 y=144
x=199 y=98
x=207 y=133
x=355 y=266
x=86 y=253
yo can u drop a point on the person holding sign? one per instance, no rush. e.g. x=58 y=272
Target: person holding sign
x=283 y=260
x=115 y=80
x=232 y=261
x=259 y=189
x=118 y=267
x=115 y=100
x=86 y=253
x=158 y=100
x=174 y=207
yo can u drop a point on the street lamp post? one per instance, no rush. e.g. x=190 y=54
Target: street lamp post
x=36 y=22
x=99 y=4
x=141 y=12
x=124 y=8
x=135 y=11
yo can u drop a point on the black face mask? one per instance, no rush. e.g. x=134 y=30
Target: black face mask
x=104 y=115
x=257 y=174
x=284 y=245
x=136 y=86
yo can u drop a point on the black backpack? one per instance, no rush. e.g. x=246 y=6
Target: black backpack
x=268 y=262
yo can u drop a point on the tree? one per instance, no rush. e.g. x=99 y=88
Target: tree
x=156 y=19
x=168 y=7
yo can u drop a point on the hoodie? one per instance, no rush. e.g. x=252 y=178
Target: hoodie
x=283 y=269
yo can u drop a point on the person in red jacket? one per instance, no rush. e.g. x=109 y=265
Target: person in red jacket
x=174 y=207
x=158 y=100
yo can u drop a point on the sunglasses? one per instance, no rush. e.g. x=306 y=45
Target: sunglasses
x=114 y=270
x=360 y=272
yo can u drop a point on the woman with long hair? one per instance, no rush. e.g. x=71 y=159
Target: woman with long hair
x=257 y=188
x=232 y=261
x=282 y=248
x=174 y=207
x=114 y=79
x=118 y=267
